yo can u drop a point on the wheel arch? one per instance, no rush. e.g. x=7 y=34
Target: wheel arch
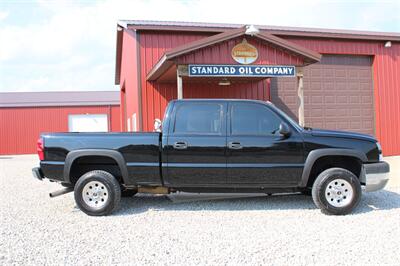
x=314 y=155
x=77 y=154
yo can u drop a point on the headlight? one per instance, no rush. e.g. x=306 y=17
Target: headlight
x=380 y=151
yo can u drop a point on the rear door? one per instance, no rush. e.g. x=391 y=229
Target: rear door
x=257 y=154
x=196 y=144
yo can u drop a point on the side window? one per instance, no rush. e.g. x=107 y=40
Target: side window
x=253 y=119
x=203 y=118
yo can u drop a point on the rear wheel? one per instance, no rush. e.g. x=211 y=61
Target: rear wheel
x=97 y=193
x=336 y=191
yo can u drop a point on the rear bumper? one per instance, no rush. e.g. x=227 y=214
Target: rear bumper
x=37 y=173
x=375 y=176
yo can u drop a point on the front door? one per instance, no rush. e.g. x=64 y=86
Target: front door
x=257 y=154
x=196 y=144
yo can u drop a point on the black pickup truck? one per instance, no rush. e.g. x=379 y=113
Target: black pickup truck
x=216 y=146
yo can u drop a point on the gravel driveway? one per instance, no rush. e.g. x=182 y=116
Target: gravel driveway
x=279 y=230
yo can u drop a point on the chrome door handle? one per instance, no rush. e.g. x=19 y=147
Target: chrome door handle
x=180 y=145
x=234 y=145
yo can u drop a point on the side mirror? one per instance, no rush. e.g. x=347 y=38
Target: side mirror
x=157 y=125
x=284 y=129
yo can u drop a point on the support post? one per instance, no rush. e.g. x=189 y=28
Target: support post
x=181 y=71
x=179 y=82
x=180 y=85
x=300 y=93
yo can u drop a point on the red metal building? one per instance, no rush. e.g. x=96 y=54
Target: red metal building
x=23 y=116
x=344 y=79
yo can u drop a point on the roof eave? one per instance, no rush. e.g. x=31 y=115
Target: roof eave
x=201 y=43
x=276 y=30
x=307 y=53
x=159 y=68
x=118 y=56
x=165 y=62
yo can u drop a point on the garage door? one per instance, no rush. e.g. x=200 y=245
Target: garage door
x=338 y=94
x=88 y=123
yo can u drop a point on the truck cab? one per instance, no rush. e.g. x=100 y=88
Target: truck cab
x=230 y=144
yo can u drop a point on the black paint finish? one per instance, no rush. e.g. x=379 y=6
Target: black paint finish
x=318 y=139
x=140 y=152
x=214 y=159
x=264 y=158
x=203 y=159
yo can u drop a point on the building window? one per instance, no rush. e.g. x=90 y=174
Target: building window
x=88 y=123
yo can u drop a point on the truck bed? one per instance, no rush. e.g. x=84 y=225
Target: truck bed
x=139 y=150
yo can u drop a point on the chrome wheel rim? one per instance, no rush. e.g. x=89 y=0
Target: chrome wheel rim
x=95 y=194
x=339 y=193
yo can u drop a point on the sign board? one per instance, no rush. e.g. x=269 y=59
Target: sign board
x=241 y=71
x=244 y=53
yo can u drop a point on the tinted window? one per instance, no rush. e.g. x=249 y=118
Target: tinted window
x=253 y=119
x=203 y=118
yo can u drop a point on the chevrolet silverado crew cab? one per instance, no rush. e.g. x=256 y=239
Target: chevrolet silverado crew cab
x=219 y=146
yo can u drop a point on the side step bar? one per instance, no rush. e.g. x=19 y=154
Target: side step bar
x=153 y=190
x=61 y=192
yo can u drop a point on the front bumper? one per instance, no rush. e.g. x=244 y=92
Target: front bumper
x=37 y=173
x=375 y=176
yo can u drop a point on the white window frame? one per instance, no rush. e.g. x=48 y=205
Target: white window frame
x=72 y=116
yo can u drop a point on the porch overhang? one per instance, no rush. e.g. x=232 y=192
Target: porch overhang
x=167 y=65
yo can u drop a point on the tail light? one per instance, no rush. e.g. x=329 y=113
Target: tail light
x=40 y=149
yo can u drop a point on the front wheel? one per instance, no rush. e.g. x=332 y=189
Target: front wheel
x=97 y=193
x=336 y=191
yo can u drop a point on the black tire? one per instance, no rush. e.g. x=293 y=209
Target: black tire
x=127 y=193
x=326 y=200
x=108 y=182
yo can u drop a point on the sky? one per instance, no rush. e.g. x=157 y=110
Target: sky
x=70 y=45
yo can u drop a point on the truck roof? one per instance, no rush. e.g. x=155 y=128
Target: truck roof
x=219 y=100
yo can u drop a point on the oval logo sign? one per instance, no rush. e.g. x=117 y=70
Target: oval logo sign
x=244 y=53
